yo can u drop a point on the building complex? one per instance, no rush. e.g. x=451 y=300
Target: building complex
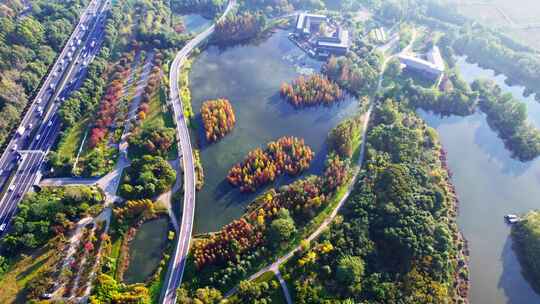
x=319 y=36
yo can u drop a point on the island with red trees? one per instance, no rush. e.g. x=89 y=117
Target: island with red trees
x=288 y=155
x=312 y=91
x=218 y=118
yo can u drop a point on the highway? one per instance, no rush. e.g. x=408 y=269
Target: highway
x=22 y=160
x=178 y=261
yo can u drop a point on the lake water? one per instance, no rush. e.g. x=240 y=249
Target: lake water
x=146 y=249
x=250 y=77
x=490 y=184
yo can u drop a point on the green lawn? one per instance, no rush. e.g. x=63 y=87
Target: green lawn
x=72 y=139
x=159 y=116
x=115 y=253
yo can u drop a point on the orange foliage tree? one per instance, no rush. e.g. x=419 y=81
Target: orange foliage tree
x=218 y=118
x=288 y=155
x=311 y=91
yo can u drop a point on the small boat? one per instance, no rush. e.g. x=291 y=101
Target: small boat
x=511 y=218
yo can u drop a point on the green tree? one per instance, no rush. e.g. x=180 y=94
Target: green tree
x=282 y=228
x=29 y=32
x=393 y=68
x=350 y=269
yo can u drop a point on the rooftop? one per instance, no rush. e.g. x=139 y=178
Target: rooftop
x=434 y=62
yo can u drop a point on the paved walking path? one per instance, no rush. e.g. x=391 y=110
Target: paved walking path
x=283 y=284
x=177 y=263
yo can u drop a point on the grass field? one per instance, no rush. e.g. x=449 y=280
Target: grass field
x=159 y=116
x=71 y=141
x=519 y=19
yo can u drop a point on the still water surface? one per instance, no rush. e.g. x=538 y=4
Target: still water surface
x=490 y=184
x=250 y=77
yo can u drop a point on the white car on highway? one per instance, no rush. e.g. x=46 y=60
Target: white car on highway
x=2 y=227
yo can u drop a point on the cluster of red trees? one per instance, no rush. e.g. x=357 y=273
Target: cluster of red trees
x=311 y=91
x=335 y=174
x=109 y=103
x=218 y=118
x=286 y=155
x=152 y=86
x=218 y=247
x=239 y=27
x=302 y=198
x=352 y=73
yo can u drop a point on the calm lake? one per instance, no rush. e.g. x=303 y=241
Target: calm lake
x=250 y=76
x=490 y=184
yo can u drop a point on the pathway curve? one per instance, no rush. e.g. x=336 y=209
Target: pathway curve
x=274 y=267
x=166 y=198
x=178 y=261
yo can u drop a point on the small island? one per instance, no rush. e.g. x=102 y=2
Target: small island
x=286 y=155
x=218 y=118
x=312 y=91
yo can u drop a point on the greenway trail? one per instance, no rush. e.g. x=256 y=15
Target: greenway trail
x=274 y=267
x=178 y=261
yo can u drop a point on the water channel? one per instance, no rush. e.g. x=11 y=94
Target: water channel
x=250 y=77
x=146 y=249
x=490 y=184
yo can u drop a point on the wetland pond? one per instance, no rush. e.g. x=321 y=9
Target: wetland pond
x=146 y=249
x=250 y=76
x=490 y=184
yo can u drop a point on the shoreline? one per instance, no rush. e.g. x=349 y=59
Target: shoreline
x=462 y=282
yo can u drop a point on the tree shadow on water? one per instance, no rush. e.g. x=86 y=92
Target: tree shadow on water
x=493 y=145
x=512 y=280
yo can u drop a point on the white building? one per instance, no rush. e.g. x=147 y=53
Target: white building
x=337 y=44
x=306 y=22
x=432 y=66
x=335 y=41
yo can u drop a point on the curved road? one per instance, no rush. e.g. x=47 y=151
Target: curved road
x=178 y=262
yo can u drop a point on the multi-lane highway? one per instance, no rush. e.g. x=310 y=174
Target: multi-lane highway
x=178 y=262
x=21 y=161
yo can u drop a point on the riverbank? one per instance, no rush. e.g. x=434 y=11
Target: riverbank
x=462 y=282
x=526 y=236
